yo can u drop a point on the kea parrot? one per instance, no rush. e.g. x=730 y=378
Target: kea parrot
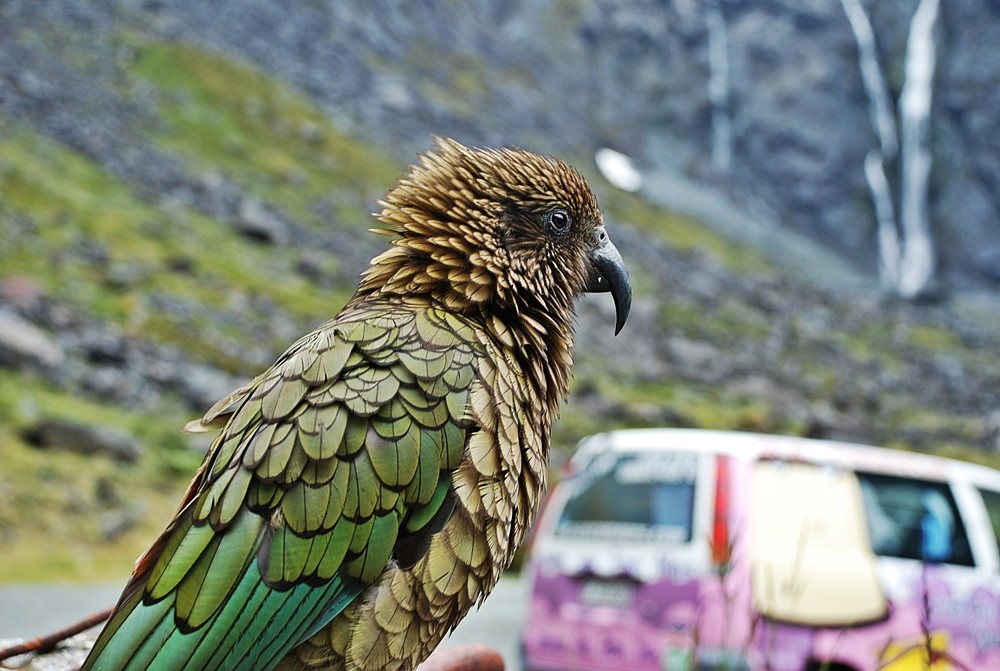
x=371 y=486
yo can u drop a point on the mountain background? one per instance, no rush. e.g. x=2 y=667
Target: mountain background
x=185 y=188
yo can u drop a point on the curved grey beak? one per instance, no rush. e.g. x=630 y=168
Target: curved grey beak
x=608 y=273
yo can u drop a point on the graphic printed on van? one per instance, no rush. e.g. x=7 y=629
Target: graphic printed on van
x=683 y=549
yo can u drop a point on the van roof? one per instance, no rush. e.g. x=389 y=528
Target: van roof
x=755 y=446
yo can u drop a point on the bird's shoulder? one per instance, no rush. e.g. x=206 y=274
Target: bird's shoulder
x=357 y=420
x=335 y=459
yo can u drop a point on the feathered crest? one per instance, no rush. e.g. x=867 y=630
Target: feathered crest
x=450 y=219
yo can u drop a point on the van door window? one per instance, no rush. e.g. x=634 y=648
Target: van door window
x=914 y=519
x=636 y=497
x=992 y=500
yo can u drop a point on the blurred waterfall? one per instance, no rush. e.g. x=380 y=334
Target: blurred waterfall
x=917 y=268
x=885 y=215
x=718 y=86
x=906 y=249
x=884 y=123
x=880 y=102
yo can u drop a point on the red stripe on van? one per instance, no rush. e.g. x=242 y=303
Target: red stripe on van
x=721 y=548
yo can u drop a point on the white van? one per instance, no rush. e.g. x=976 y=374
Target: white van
x=674 y=549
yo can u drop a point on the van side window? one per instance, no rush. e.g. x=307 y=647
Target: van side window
x=914 y=519
x=633 y=498
x=992 y=500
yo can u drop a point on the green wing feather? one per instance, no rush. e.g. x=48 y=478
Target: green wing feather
x=331 y=463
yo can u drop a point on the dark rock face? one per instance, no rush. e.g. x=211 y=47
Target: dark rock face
x=799 y=116
x=635 y=75
x=24 y=345
x=83 y=438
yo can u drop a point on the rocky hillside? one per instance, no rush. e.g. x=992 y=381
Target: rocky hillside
x=655 y=80
x=185 y=189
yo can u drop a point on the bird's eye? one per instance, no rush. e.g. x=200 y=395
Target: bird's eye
x=558 y=221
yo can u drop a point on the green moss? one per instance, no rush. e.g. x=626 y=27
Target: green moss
x=648 y=403
x=24 y=398
x=682 y=232
x=703 y=406
x=725 y=322
x=219 y=114
x=861 y=345
x=454 y=80
x=62 y=203
x=900 y=414
x=933 y=338
x=888 y=344
x=55 y=504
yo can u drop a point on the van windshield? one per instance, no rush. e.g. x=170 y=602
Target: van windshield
x=631 y=498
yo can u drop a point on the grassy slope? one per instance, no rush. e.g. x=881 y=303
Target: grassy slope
x=56 y=505
x=223 y=116
x=215 y=115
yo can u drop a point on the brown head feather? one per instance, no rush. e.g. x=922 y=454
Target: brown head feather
x=470 y=232
x=467 y=227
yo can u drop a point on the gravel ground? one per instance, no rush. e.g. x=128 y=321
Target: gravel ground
x=28 y=611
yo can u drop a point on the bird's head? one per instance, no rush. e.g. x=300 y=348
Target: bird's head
x=502 y=229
